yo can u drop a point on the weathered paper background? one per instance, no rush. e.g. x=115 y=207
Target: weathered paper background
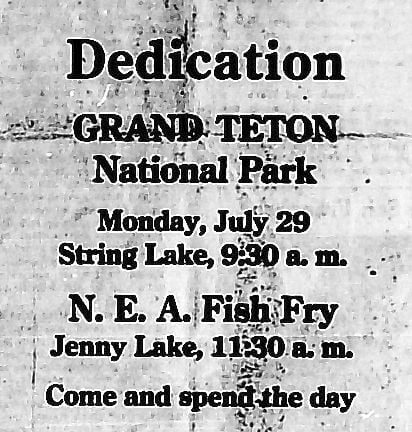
x=47 y=197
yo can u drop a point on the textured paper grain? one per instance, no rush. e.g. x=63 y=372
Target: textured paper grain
x=47 y=197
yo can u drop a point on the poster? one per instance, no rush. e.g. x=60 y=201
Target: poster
x=205 y=215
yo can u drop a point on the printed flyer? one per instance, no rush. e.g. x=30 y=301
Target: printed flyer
x=205 y=216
